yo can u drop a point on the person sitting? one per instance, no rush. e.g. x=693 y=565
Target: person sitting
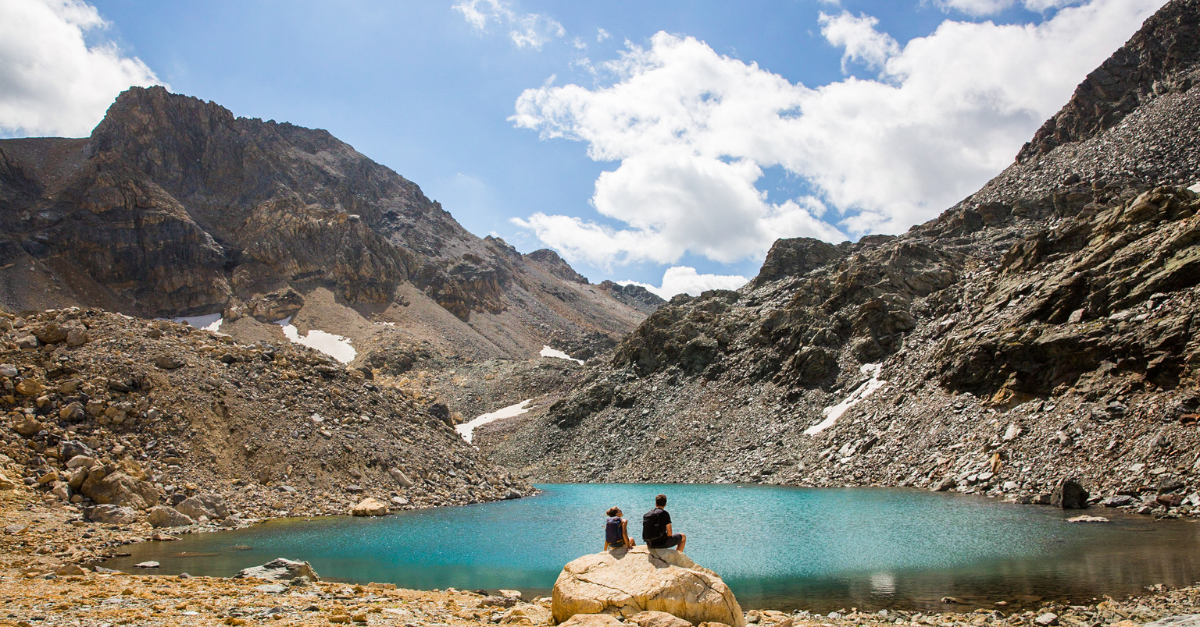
x=656 y=527
x=616 y=531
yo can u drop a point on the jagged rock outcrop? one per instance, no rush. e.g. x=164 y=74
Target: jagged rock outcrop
x=175 y=207
x=1043 y=327
x=629 y=582
x=635 y=296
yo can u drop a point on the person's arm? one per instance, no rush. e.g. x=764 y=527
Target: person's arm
x=625 y=533
x=669 y=532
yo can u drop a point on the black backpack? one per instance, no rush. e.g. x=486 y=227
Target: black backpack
x=653 y=527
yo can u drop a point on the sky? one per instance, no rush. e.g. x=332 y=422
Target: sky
x=666 y=143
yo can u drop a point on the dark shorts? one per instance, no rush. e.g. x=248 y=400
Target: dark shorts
x=618 y=545
x=667 y=542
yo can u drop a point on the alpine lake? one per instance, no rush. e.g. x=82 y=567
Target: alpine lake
x=777 y=547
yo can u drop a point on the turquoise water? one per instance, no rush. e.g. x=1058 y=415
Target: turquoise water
x=783 y=548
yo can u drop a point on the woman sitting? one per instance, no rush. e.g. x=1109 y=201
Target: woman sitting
x=616 y=531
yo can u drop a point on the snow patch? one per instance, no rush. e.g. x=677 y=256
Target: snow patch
x=211 y=322
x=833 y=412
x=467 y=429
x=335 y=346
x=557 y=354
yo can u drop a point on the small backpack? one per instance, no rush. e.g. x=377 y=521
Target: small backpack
x=612 y=531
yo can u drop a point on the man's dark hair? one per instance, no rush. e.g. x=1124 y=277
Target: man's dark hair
x=660 y=500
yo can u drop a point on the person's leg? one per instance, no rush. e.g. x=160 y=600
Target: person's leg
x=682 y=541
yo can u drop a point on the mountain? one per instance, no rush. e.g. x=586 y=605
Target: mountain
x=175 y=207
x=1043 y=328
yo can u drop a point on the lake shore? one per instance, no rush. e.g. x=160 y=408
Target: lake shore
x=41 y=582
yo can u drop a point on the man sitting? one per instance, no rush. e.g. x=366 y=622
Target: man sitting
x=656 y=527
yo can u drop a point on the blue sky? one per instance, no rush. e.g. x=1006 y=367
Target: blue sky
x=633 y=137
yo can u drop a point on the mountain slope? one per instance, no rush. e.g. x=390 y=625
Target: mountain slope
x=175 y=207
x=1042 y=328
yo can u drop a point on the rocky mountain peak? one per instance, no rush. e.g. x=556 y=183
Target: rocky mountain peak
x=1157 y=60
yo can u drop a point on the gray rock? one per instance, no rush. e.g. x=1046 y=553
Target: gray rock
x=945 y=485
x=1047 y=619
x=400 y=478
x=8 y=370
x=163 y=516
x=279 y=569
x=112 y=515
x=150 y=564
x=69 y=449
x=1119 y=500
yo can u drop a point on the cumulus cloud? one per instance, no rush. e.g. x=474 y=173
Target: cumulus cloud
x=601 y=34
x=527 y=30
x=691 y=132
x=685 y=280
x=858 y=38
x=51 y=81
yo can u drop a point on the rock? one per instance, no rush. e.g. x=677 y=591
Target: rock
x=73 y=412
x=512 y=494
x=1012 y=433
x=1183 y=620
x=1068 y=494
x=658 y=619
x=644 y=580
x=279 y=569
x=1087 y=519
x=80 y=461
x=370 y=506
x=498 y=601
x=271 y=588
x=1169 y=483
x=400 y=478
x=945 y=485
x=163 y=516
x=8 y=370
x=50 y=333
x=527 y=614
x=399 y=501
x=112 y=515
x=6 y=483
x=70 y=449
x=28 y=427
x=512 y=594
x=207 y=505
x=70 y=570
x=592 y=620
x=167 y=362
x=77 y=336
x=1169 y=500
x=118 y=488
x=150 y=564
x=1047 y=619
x=1118 y=500
x=26 y=341
x=30 y=387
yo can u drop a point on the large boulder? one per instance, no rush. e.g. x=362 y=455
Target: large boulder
x=118 y=488
x=1068 y=494
x=279 y=569
x=211 y=506
x=112 y=515
x=370 y=506
x=639 y=580
x=163 y=516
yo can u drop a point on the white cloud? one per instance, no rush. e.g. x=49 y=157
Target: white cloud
x=685 y=280
x=981 y=8
x=858 y=38
x=51 y=81
x=528 y=30
x=691 y=132
x=601 y=35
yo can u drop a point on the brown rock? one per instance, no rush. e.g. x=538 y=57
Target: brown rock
x=163 y=516
x=119 y=488
x=30 y=387
x=28 y=427
x=592 y=620
x=370 y=506
x=658 y=619
x=50 y=333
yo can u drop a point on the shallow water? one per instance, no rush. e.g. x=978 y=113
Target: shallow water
x=781 y=548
